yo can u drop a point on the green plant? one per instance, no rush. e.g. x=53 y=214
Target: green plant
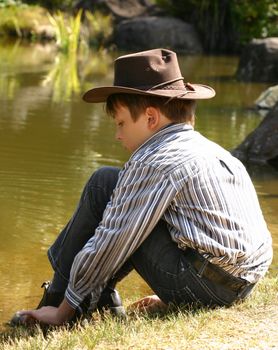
x=20 y=21
x=99 y=28
x=226 y=25
x=273 y=17
x=67 y=30
x=9 y=3
x=10 y=24
x=255 y=19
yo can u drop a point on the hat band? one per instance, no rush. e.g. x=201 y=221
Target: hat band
x=189 y=89
x=167 y=85
x=164 y=84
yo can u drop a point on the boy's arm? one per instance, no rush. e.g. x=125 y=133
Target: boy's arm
x=141 y=197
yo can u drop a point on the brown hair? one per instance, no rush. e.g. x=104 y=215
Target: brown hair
x=176 y=110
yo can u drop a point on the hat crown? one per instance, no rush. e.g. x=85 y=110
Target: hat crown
x=147 y=69
x=154 y=72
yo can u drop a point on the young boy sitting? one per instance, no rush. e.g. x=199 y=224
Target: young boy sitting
x=182 y=212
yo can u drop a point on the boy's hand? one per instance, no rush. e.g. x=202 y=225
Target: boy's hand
x=151 y=303
x=51 y=315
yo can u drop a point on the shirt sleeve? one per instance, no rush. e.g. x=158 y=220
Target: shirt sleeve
x=139 y=200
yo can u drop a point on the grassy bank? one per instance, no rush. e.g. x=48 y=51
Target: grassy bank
x=22 y=21
x=67 y=30
x=250 y=325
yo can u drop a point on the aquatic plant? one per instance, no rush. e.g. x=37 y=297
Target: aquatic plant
x=99 y=27
x=67 y=30
x=69 y=40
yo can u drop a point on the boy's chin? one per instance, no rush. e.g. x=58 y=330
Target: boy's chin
x=128 y=149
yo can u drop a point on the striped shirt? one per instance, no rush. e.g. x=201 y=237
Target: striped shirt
x=203 y=193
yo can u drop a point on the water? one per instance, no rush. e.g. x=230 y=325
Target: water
x=51 y=141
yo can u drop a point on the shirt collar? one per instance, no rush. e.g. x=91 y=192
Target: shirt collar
x=165 y=130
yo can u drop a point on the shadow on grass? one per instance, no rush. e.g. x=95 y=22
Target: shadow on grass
x=11 y=335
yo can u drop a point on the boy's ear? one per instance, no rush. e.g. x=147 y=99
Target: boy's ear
x=153 y=117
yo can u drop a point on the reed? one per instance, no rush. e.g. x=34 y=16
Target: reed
x=67 y=30
x=100 y=28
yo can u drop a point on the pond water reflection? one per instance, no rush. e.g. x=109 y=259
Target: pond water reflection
x=51 y=141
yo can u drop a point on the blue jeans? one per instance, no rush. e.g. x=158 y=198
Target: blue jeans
x=167 y=269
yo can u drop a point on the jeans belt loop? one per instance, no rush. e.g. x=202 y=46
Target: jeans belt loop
x=202 y=268
x=205 y=269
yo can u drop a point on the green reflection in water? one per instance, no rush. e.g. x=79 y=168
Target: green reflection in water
x=8 y=81
x=51 y=141
x=69 y=72
x=63 y=77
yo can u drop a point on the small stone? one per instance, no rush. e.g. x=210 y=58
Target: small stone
x=16 y=320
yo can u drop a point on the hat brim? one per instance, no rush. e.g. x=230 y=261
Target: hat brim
x=100 y=94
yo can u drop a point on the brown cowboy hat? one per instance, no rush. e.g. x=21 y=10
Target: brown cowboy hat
x=153 y=72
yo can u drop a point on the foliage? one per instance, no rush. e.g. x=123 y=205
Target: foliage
x=256 y=19
x=9 y=3
x=225 y=25
x=25 y=21
x=21 y=21
x=67 y=30
x=70 y=31
x=99 y=28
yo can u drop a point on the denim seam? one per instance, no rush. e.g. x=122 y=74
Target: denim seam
x=207 y=289
x=88 y=193
x=55 y=266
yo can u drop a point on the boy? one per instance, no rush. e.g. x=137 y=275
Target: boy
x=183 y=212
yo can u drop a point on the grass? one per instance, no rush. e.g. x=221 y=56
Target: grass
x=249 y=325
x=68 y=30
x=22 y=22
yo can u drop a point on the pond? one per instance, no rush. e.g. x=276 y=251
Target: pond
x=51 y=141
